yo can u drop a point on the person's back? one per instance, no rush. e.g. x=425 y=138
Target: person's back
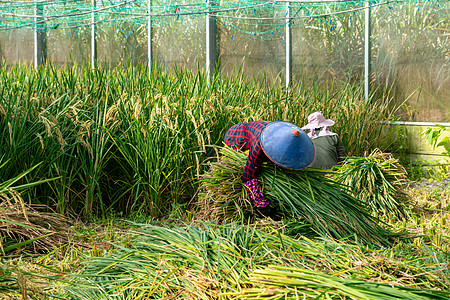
x=329 y=151
x=328 y=147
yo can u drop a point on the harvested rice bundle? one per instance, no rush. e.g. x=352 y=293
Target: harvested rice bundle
x=305 y=194
x=222 y=196
x=375 y=180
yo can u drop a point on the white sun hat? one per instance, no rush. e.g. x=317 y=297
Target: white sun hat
x=317 y=120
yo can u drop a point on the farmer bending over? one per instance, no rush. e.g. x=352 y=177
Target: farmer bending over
x=328 y=146
x=282 y=142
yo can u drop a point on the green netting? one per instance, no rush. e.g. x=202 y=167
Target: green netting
x=260 y=18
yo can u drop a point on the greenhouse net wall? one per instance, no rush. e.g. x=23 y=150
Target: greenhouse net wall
x=409 y=41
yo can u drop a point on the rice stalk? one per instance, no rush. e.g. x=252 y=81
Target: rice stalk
x=376 y=181
x=328 y=206
x=222 y=196
x=24 y=225
x=276 y=282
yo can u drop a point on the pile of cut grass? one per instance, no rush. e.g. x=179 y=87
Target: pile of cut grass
x=306 y=194
x=32 y=227
x=29 y=225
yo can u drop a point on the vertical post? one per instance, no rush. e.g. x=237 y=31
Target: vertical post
x=93 y=36
x=288 y=47
x=40 y=47
x=367 y=50
x=211 y=40
x=149 y=38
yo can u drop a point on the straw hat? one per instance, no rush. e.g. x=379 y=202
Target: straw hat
x=287 y=145
x=317 y=120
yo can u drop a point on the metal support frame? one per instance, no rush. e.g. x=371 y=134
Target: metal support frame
x=211 y=40
x=40 y=43
x=288 y=47
x=367 y=50
x=149 y=38
x=93 y=37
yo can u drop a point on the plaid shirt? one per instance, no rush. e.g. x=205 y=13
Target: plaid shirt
x=246 y=136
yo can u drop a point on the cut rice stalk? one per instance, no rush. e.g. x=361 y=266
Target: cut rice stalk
x=375 y=180
x=277 y=282
x=326 y=204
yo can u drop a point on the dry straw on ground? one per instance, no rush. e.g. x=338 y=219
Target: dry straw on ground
x=44 y=230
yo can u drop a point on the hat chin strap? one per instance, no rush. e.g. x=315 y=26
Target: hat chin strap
x=324 y=131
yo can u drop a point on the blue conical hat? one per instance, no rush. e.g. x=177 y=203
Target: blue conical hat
x=287 y=145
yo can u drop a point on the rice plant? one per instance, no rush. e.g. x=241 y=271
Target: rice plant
x=124 y=140
x=376 y=181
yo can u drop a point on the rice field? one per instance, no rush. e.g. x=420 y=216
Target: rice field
x=115 y=185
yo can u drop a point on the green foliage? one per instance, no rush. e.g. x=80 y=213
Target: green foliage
x=435 y=169
x=431 y=169
x=435 y=139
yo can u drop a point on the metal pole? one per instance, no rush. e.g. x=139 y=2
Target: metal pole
x=40 y=48
x=149 y=38
x=288 y=47
x=367 y=51
x=211 y=41
x=93 y=37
